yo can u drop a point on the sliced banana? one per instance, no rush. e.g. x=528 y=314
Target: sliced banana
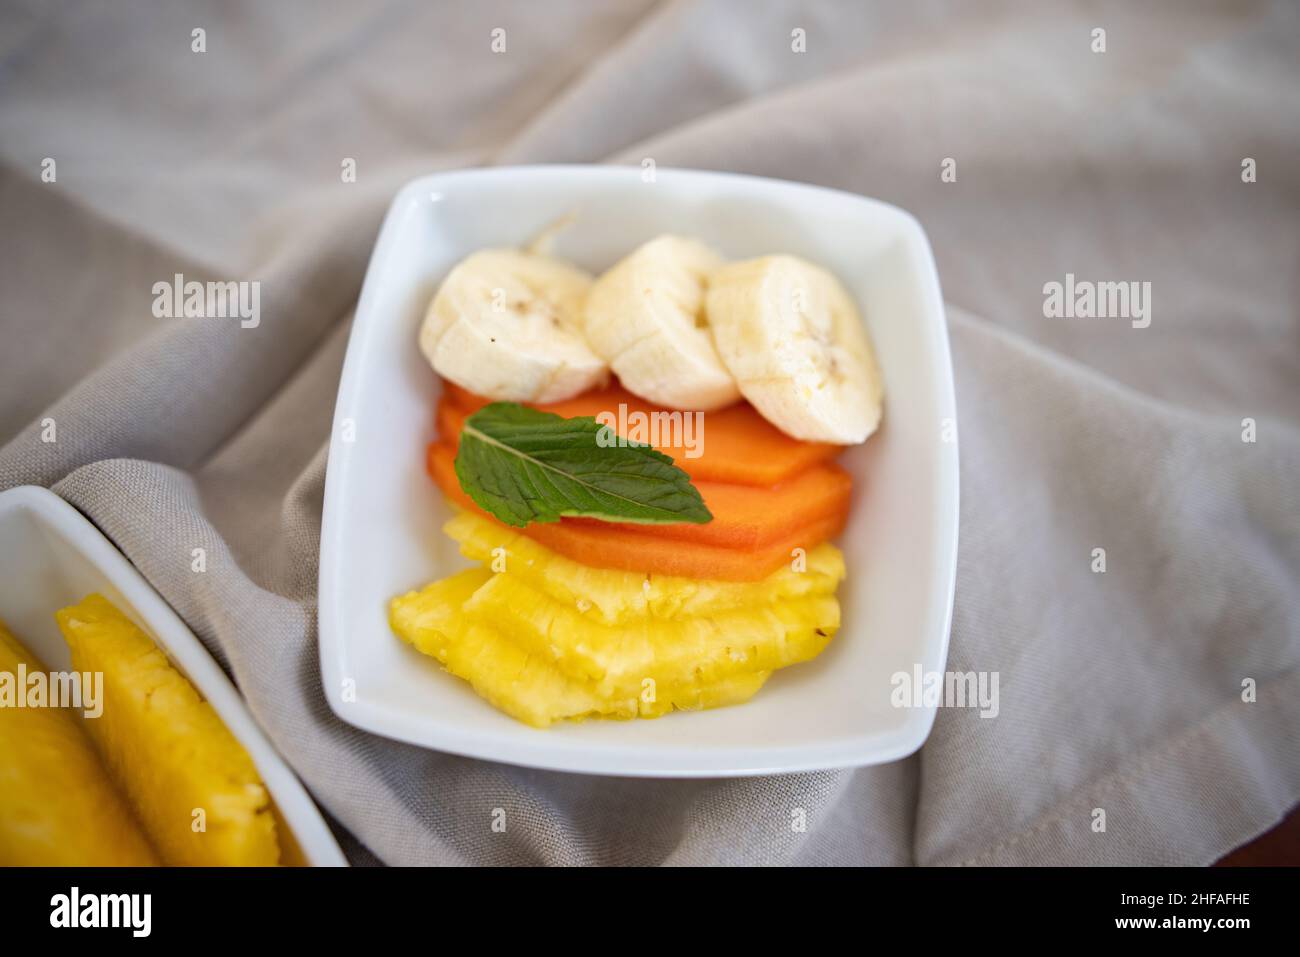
x=646 y=317
x=506 y=324
x=792 y=337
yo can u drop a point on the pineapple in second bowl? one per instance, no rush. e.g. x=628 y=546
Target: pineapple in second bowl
x=168 y=748
x=58 y=807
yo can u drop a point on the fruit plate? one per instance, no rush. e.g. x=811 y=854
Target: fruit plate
x=381 y=529
x=51 y=557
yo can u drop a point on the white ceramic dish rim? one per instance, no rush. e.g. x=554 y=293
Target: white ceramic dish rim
x=680 y=762
x=180 y=645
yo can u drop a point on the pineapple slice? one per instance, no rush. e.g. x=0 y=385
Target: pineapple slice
x=58 y=807
x=699 y=696
x=545 y=638
x=528 y=686
x=167 y=747
x=612 y=597
x=525 y=686
x=688 y=651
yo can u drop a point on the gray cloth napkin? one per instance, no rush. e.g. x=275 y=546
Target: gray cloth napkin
x=1120 y=691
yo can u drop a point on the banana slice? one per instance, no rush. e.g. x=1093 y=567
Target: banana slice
x=506 y=324
x=645 y=316
x=792 y=337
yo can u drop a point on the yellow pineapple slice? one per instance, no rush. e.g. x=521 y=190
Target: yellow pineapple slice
x=612 y=597
x=699 y=696
x=58 y=807
x=545 y=638
x=192 y=784
x=525 y=686
x=688 y=651
x=529 y=686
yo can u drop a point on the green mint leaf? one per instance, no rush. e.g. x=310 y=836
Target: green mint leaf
x=525 y=466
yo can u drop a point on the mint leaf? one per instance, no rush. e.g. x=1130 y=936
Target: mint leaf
x=525 y=466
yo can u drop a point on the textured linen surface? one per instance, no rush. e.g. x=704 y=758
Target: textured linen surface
x=1119 y=691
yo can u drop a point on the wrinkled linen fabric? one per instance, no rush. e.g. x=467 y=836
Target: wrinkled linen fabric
x=1120 y=691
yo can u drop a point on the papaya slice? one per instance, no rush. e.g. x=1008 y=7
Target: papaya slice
x=734 y=444
x=642 y=548
x=747 y=516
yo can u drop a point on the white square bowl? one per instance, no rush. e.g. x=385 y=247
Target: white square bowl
x=51 y=556
x=381 y=533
